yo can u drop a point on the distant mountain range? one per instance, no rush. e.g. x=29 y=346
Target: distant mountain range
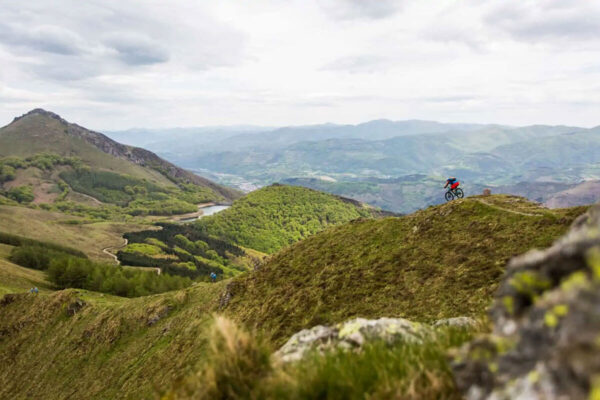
x=378 y=161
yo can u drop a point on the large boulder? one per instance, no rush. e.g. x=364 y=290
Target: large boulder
x=545 y=342
x=353 y=334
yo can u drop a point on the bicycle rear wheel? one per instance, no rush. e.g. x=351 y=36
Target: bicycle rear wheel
x=459 y=193
x=449 y=196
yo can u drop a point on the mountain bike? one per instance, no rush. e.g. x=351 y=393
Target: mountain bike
x=452 y=193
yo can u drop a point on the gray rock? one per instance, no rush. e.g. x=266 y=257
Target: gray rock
x=546 y=338
x=352 y=334
x=300 y=343
x=457 y=322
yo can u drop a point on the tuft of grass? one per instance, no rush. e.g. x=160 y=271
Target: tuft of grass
x=235 y=365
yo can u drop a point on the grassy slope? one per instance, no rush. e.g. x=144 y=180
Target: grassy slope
x=108 y=349
x=440 y=262
x=14 y=278
x=277 y=216
x=39 y=134
x=56 y=227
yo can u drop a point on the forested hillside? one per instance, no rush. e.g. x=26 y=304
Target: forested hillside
x=277 y=216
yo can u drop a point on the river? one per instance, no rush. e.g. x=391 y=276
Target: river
x=206 y=211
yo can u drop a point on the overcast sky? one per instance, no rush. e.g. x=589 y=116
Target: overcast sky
x=117 y=64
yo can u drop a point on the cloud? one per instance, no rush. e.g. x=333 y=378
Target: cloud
x=44 y=38
x=135 y=49
x=358 y=64
x=360 y=9
x=546 y=20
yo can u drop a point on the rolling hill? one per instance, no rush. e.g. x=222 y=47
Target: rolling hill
x=274 y=217
x=440 y=262
x=444 y=261
x=45 y=159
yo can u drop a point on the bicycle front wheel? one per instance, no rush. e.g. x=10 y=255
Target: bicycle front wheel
x=459 y=193
x=449 y=196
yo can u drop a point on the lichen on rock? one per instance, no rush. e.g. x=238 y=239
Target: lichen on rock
x=546 y=338
x=355 y=333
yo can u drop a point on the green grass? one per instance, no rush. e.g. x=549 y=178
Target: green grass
x=441 y=262
x=107 y=350
x=277 y=216
x=90 y=238
x=14 y=278
x=239 y=365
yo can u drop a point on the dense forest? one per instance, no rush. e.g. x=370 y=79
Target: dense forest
x=180 y=250
x=276 y=216
x=67 y=268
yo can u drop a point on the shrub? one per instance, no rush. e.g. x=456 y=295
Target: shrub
x=74 y=272
x=21 y=194
x=16 y=240
x=35 y=256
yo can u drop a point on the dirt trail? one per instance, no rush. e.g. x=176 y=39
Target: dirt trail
x=105 y=250
x=87 y=196
x=125 y=242
x=508 y=210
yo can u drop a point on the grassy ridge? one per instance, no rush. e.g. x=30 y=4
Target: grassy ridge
x=65 y=230
x=40 y=151
x=39 y=134
x=110 y=348
x=277 y=216
x=441 y=262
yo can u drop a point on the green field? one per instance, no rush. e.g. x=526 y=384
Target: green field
x=66 y=230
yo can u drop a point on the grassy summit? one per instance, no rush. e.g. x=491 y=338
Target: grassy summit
x=277 y=216
x=441 y=262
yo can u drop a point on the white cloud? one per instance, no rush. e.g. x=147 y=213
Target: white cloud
x=115 y=64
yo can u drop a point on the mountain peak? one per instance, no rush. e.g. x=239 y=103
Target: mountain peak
x=42 y=112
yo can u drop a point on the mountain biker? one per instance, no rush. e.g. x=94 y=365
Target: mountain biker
x=452 y=182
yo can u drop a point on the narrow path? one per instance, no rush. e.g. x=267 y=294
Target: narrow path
x=508 y=210
x=105 y=250
x=87 y=196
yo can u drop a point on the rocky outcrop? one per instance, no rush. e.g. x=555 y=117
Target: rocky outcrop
x=355 y=333
x=545 y=342
x=74 y=307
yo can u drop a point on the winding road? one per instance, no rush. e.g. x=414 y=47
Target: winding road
x=125 y=242
x=105 y=250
